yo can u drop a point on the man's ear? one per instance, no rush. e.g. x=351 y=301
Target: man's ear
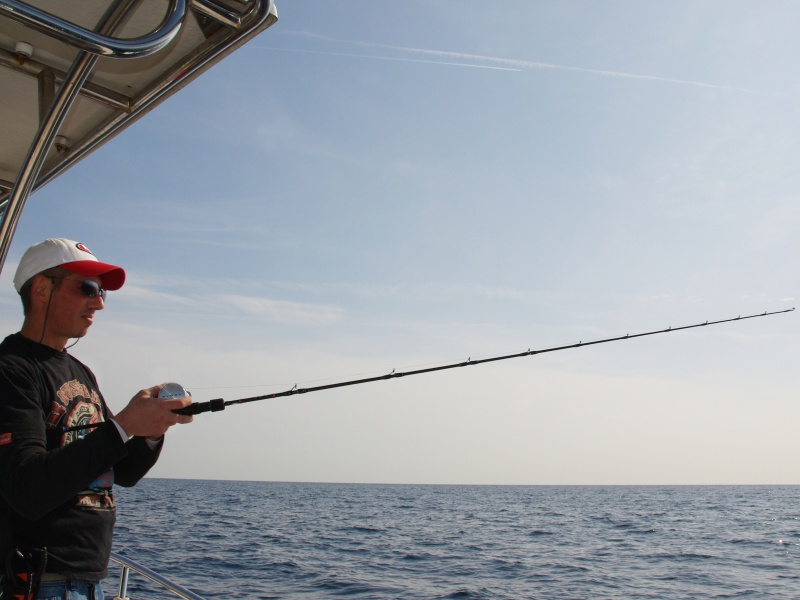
x=41 y=288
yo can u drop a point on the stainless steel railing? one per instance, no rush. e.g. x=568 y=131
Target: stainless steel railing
x=129 y=565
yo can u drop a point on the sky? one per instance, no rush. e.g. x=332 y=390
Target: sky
x=369 y=186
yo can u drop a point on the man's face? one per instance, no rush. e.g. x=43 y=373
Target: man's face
x=71 y=310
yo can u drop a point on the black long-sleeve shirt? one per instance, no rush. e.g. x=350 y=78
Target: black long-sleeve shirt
x=55 y=487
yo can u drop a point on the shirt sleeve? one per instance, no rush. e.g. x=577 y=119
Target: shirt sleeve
x=142 y=454
x=125 y=437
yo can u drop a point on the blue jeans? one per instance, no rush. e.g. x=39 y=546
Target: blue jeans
x=70 y=589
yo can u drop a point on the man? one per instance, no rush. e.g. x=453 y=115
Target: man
x=56 y=485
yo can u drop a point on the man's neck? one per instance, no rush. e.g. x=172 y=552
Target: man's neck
x=35 y=332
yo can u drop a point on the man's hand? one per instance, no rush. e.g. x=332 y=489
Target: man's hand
x=148 y=415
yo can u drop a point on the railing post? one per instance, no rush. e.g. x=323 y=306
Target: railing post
x=122 y=594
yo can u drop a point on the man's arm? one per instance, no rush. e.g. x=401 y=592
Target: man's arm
x=33 y=480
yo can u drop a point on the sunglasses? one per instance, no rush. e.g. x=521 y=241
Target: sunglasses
x=91 y=289
x=88 y=287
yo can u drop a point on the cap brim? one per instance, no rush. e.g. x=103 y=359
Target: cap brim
x=111 y=276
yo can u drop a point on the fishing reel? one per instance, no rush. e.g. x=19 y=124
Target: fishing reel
x=175 y=390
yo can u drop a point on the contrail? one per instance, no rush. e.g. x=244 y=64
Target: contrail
x=394 y=58
x=510 y=64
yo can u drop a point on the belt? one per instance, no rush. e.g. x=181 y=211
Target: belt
x=53 y=577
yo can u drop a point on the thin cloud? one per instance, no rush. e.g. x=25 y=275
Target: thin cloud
x=407 y=290
x=283 y=311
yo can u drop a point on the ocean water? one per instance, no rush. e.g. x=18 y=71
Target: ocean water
x=225 y=539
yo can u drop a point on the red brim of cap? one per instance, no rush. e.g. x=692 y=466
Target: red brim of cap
x=111 y=276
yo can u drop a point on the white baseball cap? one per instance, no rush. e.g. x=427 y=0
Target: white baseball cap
x=69 y=255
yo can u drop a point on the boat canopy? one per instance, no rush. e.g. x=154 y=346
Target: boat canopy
x=75 y=74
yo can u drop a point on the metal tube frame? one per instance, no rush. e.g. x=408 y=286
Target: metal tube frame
x=41 y=146
x=29 y=177
x=93 y=42
x=51 y=121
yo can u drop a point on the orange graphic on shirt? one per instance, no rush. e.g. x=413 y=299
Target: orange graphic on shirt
x=75 y=404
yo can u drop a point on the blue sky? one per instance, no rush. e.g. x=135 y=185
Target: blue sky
x=375 y=186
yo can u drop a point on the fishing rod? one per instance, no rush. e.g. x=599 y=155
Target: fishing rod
x=218 y=404
x=175 y=390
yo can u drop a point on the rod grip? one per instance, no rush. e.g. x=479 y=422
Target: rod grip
x=195 y=408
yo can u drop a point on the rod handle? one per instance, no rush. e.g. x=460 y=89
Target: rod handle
x=195 y=408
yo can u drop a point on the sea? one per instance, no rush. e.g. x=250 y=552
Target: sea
x=230 y=539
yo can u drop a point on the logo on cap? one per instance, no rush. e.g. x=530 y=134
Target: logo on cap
x=80 y=246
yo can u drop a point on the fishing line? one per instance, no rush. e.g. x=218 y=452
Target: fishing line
x=218 y=404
